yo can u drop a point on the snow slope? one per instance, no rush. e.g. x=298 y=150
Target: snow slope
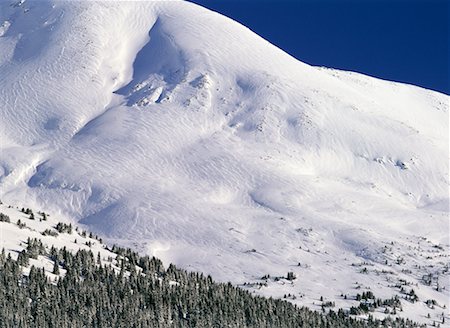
x=177 y=131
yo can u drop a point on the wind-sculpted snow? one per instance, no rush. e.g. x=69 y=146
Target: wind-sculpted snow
x=174 y=130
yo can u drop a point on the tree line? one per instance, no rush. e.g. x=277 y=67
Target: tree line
x=140 y=292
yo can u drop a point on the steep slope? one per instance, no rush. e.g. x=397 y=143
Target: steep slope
x=174 y=130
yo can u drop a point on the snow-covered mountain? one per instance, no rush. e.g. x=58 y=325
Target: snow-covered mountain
x=177 y=131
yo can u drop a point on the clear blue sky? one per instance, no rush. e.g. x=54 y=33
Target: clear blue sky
x=399 y=40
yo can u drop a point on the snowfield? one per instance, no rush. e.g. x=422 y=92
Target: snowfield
x=178 y=132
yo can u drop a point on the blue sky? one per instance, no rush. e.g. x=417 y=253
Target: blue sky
x=399 y=40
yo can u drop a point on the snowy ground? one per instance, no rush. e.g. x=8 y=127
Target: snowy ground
x=176 y=131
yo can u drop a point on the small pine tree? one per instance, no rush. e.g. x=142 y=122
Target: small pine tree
x=55 y=267
x=21 y=224
x=23 y=259
x=4 y=218
x=290 y=276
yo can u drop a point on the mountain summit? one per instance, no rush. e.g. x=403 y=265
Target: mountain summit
x=177 y=131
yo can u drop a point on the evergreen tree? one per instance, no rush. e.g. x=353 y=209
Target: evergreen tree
x=55 y=267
